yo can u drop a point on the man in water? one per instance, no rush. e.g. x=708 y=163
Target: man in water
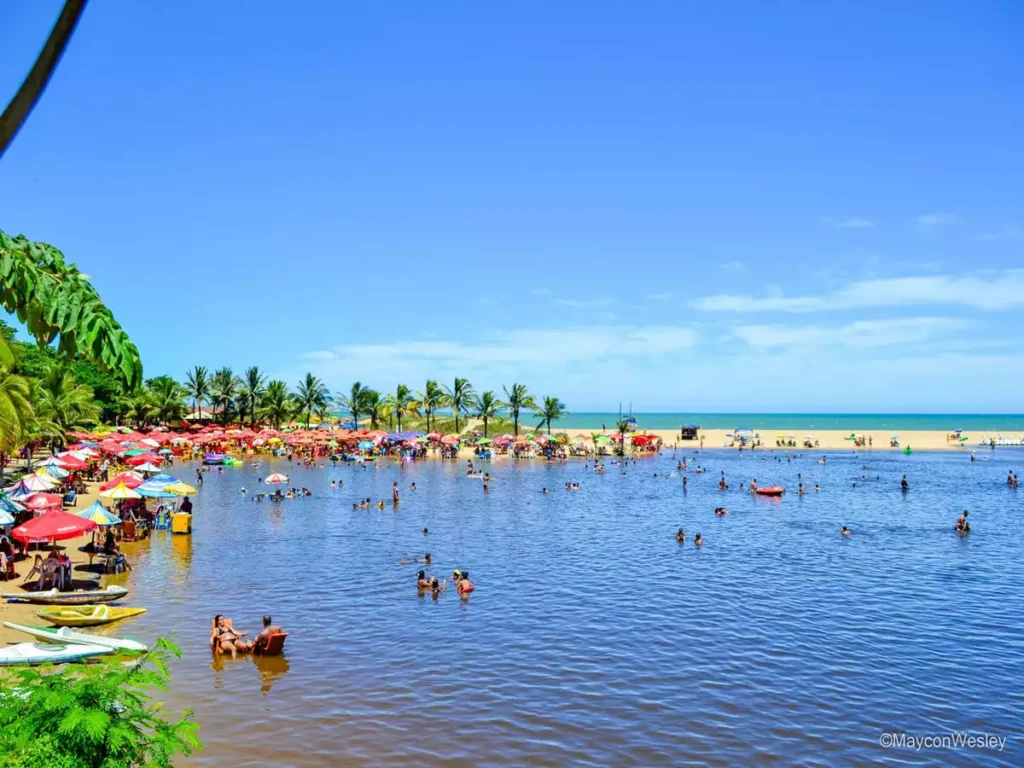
x=269 y=628
x=698 y=540
x=394 y=492
x=961 y=523
x=904 y=485
x=846 y=531
x=464 y=585
x=186 y=506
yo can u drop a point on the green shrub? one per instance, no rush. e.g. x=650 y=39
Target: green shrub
x=97 y=715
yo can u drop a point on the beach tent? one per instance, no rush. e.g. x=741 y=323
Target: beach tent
x=52 y=526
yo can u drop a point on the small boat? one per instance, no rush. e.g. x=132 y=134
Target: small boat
x=775 y=491
x=67 y=635
x=214 y=458
x=80 y=597
x=45 y=653
x=87 y=615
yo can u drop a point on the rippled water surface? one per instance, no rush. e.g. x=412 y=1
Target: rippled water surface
x=593 y=637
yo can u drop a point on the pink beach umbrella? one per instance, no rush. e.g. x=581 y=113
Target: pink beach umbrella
x=276 y=479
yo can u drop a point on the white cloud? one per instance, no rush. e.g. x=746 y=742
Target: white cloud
x=849 y=222
x=667 y=296
x=1002 y=290
x=938 y=219
x=861 y=334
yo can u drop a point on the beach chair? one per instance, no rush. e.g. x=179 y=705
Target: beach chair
x=71 y=499
x=274 y=646
x=51 y=574
x=128 y=531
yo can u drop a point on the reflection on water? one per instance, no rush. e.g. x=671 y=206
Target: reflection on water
x=594 y=637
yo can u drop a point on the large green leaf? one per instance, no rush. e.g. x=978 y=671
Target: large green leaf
x=54 y=300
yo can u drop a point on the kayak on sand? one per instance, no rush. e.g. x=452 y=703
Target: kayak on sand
x=64 y=635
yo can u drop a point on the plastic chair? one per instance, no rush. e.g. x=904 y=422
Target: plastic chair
x=128 y=531
x=274 y=646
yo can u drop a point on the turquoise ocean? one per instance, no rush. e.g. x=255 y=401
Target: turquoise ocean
x=854 y=422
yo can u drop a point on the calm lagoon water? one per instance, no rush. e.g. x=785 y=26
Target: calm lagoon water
x=593 y=638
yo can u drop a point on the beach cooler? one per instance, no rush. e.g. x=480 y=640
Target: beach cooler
x=181 y=522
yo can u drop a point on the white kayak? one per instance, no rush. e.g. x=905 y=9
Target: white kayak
x=69 y=635
x=45 y=653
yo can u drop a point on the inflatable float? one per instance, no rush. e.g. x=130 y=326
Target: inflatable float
x=775 y=491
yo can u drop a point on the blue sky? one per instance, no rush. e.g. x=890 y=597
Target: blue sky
x=744 y=206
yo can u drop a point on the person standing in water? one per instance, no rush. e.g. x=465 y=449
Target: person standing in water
x=394 y=492
x=904 y=485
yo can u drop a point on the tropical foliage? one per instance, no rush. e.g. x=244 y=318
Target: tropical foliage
x=98 y=715
x=550 y=409
x=459 y=398
x=518 y=399
x=56 y=302
x=486 y=407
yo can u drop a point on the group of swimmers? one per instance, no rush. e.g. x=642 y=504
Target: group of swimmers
x=681 y=538
x=1011 y=480
x=463 y=586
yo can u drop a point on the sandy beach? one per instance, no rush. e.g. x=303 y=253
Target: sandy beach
x=25 y=612
x=830 y=440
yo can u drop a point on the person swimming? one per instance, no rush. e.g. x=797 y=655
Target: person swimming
x=422 y=582
x=846 y=531
x=962 y=526
x=720 y=511
x=698 y=540
x=425 y=531
x=680 y=536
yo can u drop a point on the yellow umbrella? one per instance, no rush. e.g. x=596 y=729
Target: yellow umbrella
x=181 y=489
x=121 y=491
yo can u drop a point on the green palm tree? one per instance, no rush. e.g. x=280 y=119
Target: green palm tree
x=519 y=399
x=353 y=401
x=277 y=403
x=16 y=414
x=373 y=406
x=197 y=386
x=459 y=398
x=223 y=391
x=551 y=409
x=398 y=404
x=487 y=407
x=622 y=425
x=64 y=402
x=310 y=395
x=430 y=399
x=166 y=399
x=250 y=392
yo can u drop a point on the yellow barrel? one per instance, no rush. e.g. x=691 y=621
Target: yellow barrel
x=181 y=522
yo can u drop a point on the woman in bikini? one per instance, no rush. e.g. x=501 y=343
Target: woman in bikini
x=224 y=639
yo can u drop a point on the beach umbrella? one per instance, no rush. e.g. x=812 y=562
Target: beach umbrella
x=120 y=491
x=52 y=526
x=143 y=458
x=9 y=505
x=43 y=501
x=166 y=451
x=73 y=460
x=180 y=489
x=276 y=479
x=162 y=479
x=19 y=491
x=135 y=452
x=158 y=491
x=6 y=518
x=893 y=437
x=149 y=442
x=37 y=483
x=483 y=441
x=52 y=471
x=365 y=445
x=148 y=467
x=332 y=444
x=98 y=514
x=128 y=479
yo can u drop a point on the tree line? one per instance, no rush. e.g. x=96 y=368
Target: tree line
x=251 y=399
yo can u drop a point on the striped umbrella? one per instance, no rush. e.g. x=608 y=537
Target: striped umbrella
x=98 y=514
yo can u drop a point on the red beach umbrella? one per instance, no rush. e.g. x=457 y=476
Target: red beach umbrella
x=43 y=501
x=142 y=458
x=52 y=526
x=129 y=480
